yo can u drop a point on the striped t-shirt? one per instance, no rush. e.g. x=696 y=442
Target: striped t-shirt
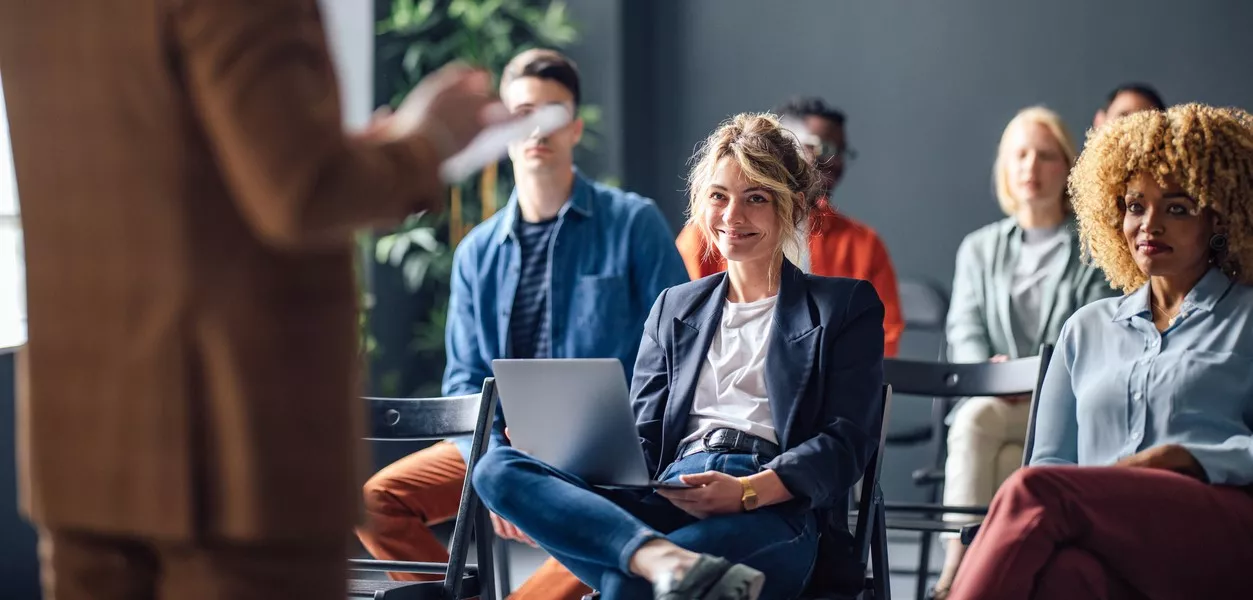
x=529 y=324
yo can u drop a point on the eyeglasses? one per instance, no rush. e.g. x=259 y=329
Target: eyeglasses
x=828 y=151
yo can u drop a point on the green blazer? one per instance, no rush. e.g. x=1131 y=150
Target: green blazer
x=978 y=326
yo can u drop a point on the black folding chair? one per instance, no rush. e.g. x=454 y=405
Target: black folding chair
x=946 y=381
x=432 y=419
x=925 y=306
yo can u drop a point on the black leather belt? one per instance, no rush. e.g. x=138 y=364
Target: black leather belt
x=730 y=441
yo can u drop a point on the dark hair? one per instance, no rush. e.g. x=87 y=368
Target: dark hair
x=810 y=106
x=544 y=64
x=1144 y=90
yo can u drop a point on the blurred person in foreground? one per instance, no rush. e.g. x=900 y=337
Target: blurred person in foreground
x=1139 y=484
x=837 y=245
x=188 y=403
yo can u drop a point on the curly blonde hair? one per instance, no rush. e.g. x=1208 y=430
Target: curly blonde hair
x=770 y=156
x=1207 y=151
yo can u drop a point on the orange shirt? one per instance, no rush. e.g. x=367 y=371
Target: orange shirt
x=838 y=247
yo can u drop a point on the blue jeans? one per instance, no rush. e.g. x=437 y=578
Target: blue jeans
x=595 y=532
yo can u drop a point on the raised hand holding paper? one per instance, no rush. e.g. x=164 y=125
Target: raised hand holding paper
x=493 y=142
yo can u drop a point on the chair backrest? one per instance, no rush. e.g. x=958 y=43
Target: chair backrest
x=1046 y=354
x=427 y=419
x=867 y=506
x=923 y=304
x=953 y=380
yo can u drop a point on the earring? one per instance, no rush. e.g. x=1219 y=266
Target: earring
x=1218 y=242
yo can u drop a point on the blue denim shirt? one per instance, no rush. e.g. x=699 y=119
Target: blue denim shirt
x=610 y=256
x=1116 y=386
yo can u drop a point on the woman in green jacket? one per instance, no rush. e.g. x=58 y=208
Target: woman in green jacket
x=1017 y=281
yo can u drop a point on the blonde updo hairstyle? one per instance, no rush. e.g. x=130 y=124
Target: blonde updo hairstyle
x=770 y=156
x=1207 y=151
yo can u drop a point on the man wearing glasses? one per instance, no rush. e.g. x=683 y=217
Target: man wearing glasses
x=568 y=269
x=838 y=246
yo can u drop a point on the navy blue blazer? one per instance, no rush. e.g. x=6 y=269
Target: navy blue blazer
x=824 y=377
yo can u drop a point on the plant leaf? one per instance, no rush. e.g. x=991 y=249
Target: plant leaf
x=383 y=248
x=399 y=249
x=425 y=239
x=413 y=58
x=414 y=271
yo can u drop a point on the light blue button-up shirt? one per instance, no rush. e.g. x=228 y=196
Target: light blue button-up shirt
x=1116 y=386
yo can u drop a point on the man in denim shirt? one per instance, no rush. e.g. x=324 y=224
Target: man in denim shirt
x=568 y=269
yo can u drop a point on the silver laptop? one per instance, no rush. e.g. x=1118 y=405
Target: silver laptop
x=575 y=414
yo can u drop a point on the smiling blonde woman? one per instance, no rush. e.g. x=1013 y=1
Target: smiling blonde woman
x=759 y=387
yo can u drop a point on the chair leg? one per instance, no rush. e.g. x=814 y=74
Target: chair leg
x=939 y=447
x=504 y=583
x=484 y=549
x=924 y=565
x=879 y=548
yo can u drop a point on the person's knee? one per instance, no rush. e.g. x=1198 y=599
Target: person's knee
x=495 y=472
x=1072 y=573
x=977 y=416
x=1034 y=485
x=378 y=495
x=1008 y=460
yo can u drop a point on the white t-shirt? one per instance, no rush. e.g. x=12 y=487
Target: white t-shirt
x=731 y=388
x=1041 y=257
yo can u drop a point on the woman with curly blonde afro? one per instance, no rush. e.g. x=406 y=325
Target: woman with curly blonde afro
x=1150 y=393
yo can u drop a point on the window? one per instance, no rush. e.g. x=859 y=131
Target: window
x=12 y=265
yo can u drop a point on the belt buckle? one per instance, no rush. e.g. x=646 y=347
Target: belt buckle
x=722 y=445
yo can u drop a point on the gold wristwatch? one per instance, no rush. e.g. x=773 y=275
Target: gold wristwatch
x=749 y=497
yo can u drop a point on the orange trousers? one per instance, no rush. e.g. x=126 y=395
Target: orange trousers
x=407 y=497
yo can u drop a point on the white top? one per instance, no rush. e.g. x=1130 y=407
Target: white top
x=1041 y=256
x=731 y=388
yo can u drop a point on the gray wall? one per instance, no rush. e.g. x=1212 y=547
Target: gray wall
x=927 y=86
x=599 y=52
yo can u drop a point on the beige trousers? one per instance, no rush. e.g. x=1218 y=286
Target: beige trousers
x=985 y=446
